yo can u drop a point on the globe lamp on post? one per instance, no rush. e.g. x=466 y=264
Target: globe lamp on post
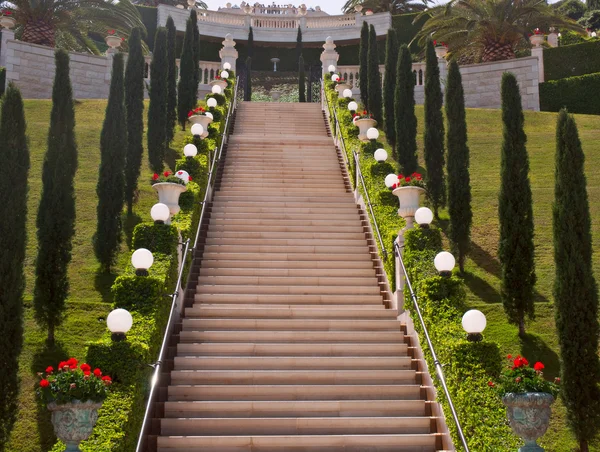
x=142 y=260
x=352 y=106
x=226 y=66
x=424 y=217
x=380 y=155
x=391 y=180
x=474 y=322
x=190 y=150
x=444 y=263
x=119 y=322
x=160 y=213
x=347 y=93
x=372 y=134
x=212 y=102
x=225 y=74
x=331 y=69
x=217 y=89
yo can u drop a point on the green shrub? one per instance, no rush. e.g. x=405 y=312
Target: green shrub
x=158 y=238
x=149 y=19
x=406 y=30
x=571 y=60
x=221 y=99
x=191 y=165
x=579 y=94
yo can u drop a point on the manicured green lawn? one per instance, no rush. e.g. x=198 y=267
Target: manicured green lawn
x=483 y=270
x=89 y=302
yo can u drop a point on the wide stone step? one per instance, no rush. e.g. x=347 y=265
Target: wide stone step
x=290 y=242
x=287 y=264
x=289 y=280
x=292 y=290
x=249 y=255
x=349 y=216
x=298 y=409
x=294 y=337
x=273 y=299
x=290 y=325
x=310 y=250
x=305 y=377
x=200 y=310
x=268 y=200
x=318 y=349
x=330 y=225
x=287 y=272
x=273 y=235
x=347 y=204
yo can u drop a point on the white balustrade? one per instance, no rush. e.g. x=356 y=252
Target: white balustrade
x=348 y=20
x=208 y=70
x=221 y=18
x=274 y=22
x=351 y=73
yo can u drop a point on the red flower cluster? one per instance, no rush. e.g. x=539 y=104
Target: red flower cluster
x=537 y=31
x=155 y=176
x=71 y=365
x=6 y=12
x=197 y=111
x=44 y=383
x=167 y=173
x=538 y=366
x=218 y=77
x=443 y=44
x=519 y=362
x=111 y=32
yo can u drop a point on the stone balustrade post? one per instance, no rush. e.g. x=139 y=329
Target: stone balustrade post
x=553 y=38
x=228 y=53
x=329 y=56
x=303 y=22
x=5 y=52
x=539 y=53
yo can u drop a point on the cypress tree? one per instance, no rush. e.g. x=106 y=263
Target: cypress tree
x=575 y=290
x=404 y=113
x=250 y=43
x=56 y=213
x=515 y=211
x=171 y=79
x=301 y=80
x=434 y=132
x=157 y=111
x=134 y=106
x=375 y=107
x=459 y=184
x=363 y=71
x=14 y=161
x=196 y=34
x=186 y=91
x=389 y=85
x=248 y=87
x=299 y=44
x=112 y=158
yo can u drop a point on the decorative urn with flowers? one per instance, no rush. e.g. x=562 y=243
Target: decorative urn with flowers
x=408 y=189
x=199 y=116
x=73 y=394
x=169 y=187
x=537 y=38
x=364 y=121
x=7 y=19
x=527 y=397
x=441 y=49
x=219 y=81
x=112 y=40
x=341 y=85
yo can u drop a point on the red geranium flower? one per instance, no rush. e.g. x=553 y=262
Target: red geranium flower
x=394 y=186
x=111 y=32
x=49 y=370
x=44 y=383
x=166 y=174
x=525 y=362
x=491 y=384
x=7 y=13
x=191 y=113
x=407 y=179
x=190 y=178
x=509 y=357
x=86 y=373
x=538 y=366
x=400 y=176
x=85 y=367
x=97 y=372
x=62 y=364
x=155 y=177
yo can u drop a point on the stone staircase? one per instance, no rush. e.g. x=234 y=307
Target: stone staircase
x=287 y=343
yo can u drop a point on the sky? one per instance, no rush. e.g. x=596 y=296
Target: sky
x=329 y=6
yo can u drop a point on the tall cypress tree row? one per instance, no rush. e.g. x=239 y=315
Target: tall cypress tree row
x=404 y=113
x=14 y=161
x=363 y=70
x=250 y=43
x=515 y=210
x=301 y=80
x=196 y=34
x=459 y=182
x=111 y=179
x=434 y=131
x=389 y=85
x=248 y=87
x=171 y=79
x=134 y=106
x=375 y=96
x=299 y=44
x=575 y=289
x=157 y=110
x=186 y=89
x=56 y=213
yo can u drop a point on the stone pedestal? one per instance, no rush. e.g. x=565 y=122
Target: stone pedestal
x=329 y=55
x=228 y=53
x=538 y=52
x=553 y=38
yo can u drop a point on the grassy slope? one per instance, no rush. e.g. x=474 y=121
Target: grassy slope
x=485 y=135
x=90 y=293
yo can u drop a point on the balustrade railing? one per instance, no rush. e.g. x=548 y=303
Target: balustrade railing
x=275 y=22
x=351 y=73
x=347 y=20
x=219 y=17
x=208 y=70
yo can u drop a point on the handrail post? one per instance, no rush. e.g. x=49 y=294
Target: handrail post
x=398 y=272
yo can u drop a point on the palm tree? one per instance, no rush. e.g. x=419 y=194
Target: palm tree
x=489 y=30
x=66 y=23
x=380 y=6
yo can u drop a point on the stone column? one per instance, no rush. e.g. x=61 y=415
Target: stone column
x=553 y=37
x=6 y=54
x=443 y=65
x=228 y=53
x=539 y=53
x=329 y=55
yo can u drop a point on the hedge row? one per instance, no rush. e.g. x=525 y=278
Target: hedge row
x=469 y=366
x=568 y=61
x=148 y=299
x=579 y=94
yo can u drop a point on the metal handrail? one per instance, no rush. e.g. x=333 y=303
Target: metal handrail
x=357 y=168
x=164 y=346
x=438 y=366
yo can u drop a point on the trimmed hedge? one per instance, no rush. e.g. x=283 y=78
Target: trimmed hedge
x=572 y=60
x=579 y=94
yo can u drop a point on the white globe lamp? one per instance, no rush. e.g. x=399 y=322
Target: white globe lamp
x=391 y=180
x=424 y=217
x=160 y=213
x=331 y=69
x=197 y=129
x=381 y=155
x=183 y=175
x=227 y=66
x=190 y=150
x=209 y=114
x=352 y=106
x=142 y=259
x=216 y=89
x=474 y=322
x=212 y=102
x=224 y=74
x=347 y=93
x=119 y=322
x=444 y=263
x=372 y=133
x=335 y=78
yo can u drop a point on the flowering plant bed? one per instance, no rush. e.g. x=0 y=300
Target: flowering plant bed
x=519 y=377
x=362 y=115
x=414 y=180
x=167 y=176
x=440 y=44
x=68 y=383
x=197 y=111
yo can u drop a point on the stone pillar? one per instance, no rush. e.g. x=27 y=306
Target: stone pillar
x=303 y=22
x=358 y=15
x=6 y=54
x=553 y=37
x=329 y=55
x=443 y=65
x=228 y=53
x=539 y=53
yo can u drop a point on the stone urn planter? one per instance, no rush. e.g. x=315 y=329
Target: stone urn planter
x=7 y=22
x=113 y=41
x=536 y=40
x=275 y=95
x=408 y=198
x=340 y=87
x=74 y=422
x=529 y=415
x=364 y=125
x=168 y=193
x=441 y=51
x=203 y=120
x=221 y=83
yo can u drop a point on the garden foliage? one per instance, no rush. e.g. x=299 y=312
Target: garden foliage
x=578 y=94
x=375 y=96
x=158 y=120
x=186 y=89
x=571 y=60
x=363 y=71
x=404 y=113
x=171 y=79
x=389 y=86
